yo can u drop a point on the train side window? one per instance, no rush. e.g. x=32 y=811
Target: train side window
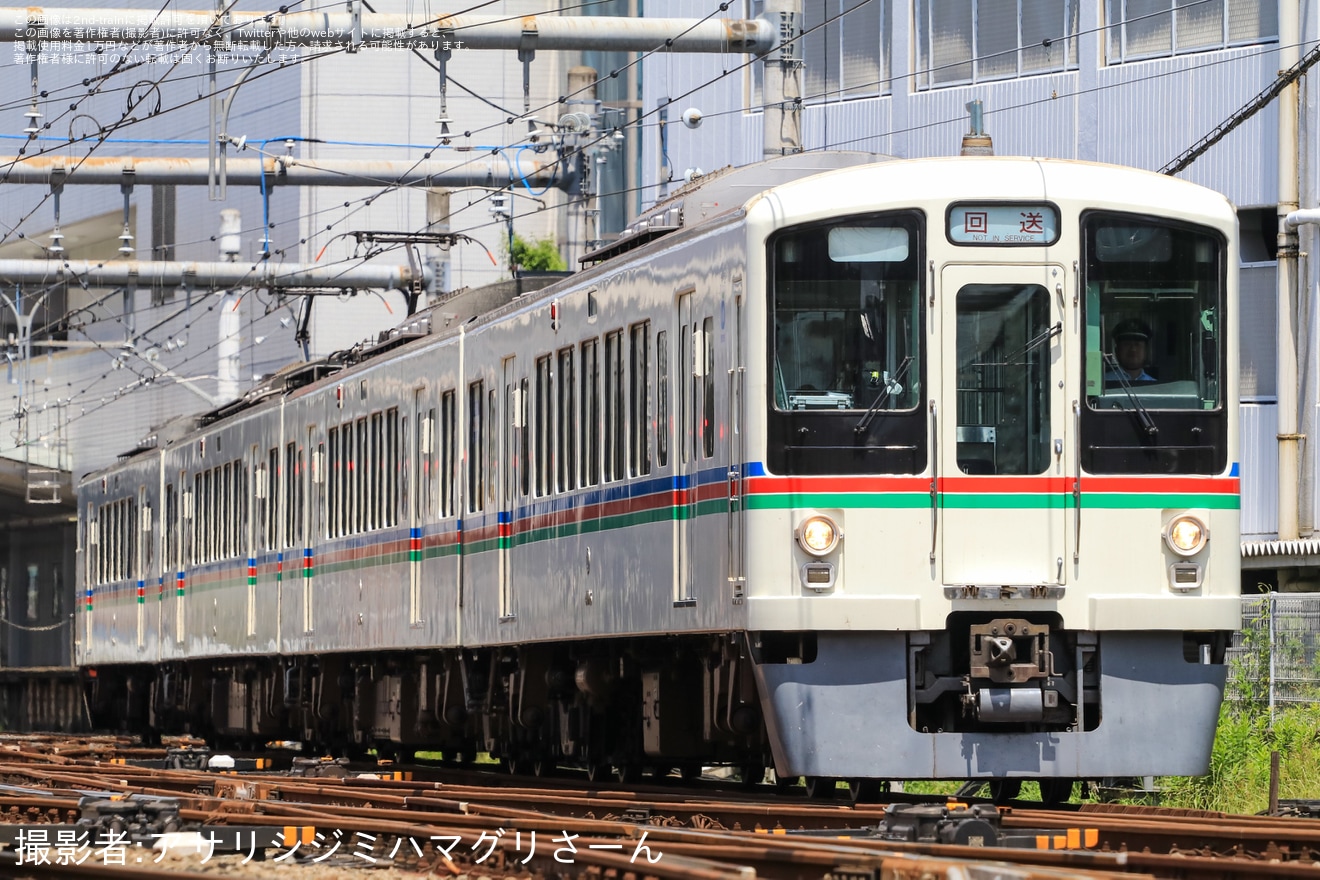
x=168 y=523
x=448 y=429
x=566 y=473
x=88 y=537
x=426 y=468
x=524 y=438
x=193 y=555
x=708 y=388
x=392 y=478
x=360 y=463
x=220 y=480
x=614 y=406
x=265 y=485
x=117 y=562
x=243 y=529
x=205 y=511
x=210 y=513
x=332 y=482
x=107 y=542
x=476 y=487
x=263 y=509
x=512 y=426
x=374 y=466
x=223 y=482
x=543 y=424
x=292 y=501
x=299 y=527
x=590 y=412
x=319 y=479
x=348 y=450
x=492 y=447
x=235 y=490
x=345 y=524
x=146 y=534
x=639 y=355
x=662 y=398
x=684 y=386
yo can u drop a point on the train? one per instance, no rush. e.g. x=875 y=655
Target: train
x=834 y=464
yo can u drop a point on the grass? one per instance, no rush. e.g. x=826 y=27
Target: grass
x=1239 y=777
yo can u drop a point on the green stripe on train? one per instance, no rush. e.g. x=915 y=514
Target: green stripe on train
x=990 y=501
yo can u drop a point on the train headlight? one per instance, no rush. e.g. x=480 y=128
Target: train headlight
x=817 y=535
x=1186 y=535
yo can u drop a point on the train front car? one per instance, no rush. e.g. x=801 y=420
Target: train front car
x=994 y=520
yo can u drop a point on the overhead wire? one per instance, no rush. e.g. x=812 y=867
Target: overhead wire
x=639 y=122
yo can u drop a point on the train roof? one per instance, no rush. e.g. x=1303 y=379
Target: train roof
x=719 y=192
x=918 y=181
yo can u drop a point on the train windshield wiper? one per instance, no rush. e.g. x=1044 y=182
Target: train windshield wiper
x=1143 y=416
x=1016 y=358
x=891 y=385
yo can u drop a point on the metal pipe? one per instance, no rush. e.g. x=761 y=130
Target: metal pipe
x=146 y=273
x=536 y=169
x=325 y=29
x=1286 y=326
x=781 y=90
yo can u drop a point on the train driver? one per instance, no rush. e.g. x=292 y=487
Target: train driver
x=1131 y=349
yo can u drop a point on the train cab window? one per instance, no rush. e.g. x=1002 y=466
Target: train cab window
x=847 y=346
x=1003 y=359
x=1153 y=354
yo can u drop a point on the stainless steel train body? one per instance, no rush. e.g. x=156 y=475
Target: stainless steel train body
x=839 y=475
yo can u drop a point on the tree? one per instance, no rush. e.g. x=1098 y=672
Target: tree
x=540 y=256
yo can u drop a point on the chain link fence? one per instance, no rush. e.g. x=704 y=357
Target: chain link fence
x=1274 y=660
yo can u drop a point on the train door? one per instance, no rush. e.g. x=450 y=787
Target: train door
x=686 y=460
x=736 y=555
x=1000 y=422
x=250 y=538
x=418 y=468
x=144 y=559
x=508 y=479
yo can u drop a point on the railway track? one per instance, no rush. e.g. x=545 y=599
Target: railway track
x=114 y=797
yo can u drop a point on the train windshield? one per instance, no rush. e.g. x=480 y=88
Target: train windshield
x=846 y=314
x=847 y=346
x=1154 y=353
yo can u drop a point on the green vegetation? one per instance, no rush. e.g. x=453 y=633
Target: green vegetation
x=539 y=256
x=1239 y=777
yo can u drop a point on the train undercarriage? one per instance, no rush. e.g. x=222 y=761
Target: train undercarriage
x=989 y=697
x=687 y=702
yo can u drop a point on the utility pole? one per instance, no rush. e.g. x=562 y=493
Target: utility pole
x=41 y=477
x=230 y=326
